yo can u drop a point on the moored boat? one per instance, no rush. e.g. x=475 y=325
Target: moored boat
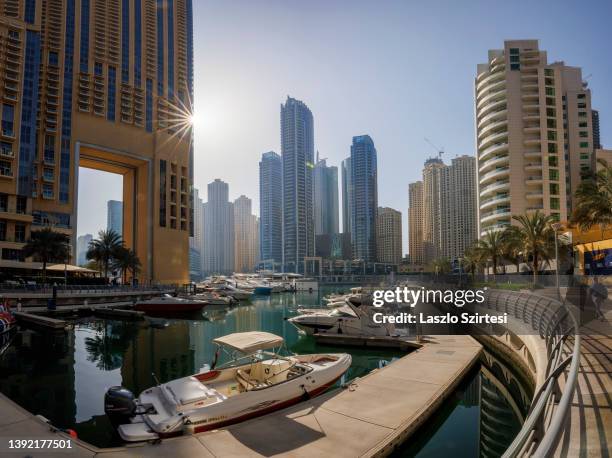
x=254 y=382
x=169 y=304
x=7 y=325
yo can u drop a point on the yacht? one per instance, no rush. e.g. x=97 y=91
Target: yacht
x=254 y=382
x=168 y=303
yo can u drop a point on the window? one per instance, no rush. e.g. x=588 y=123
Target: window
x=554 y=188
x=112 y=88
x=2 y=230
x=552 y=148
x=49 y=150
x=554 y=203
x=584 y=156
x=137 y=43
x=551 y=112
x=584 y=144
x=21 y=205
x=581 y=96
x=3 y=202
x=84 y=48
x=47 y=191
x=583 y=134
x=514 y=58
x=6 y=168
x=149 y=106
x=551 y=123
x=550 y=101
x=53 y=59
x=550 y=91
x=515 y=66
x=553 y=161
x=552 y=135
x=98 y=69
x=162 y=192
x=6 y=149
x=549 y=81
x=553 y=175
x=8 y=119
x=582 y=124
x=548 y=72
x=125 y=41
x=160 y=47
x=582 y=114
x=581 y=105
x=11 y=254
x=20 y=232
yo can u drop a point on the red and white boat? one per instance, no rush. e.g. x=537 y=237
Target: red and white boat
x=169 y=304
x=7 y=325
x=256 y=381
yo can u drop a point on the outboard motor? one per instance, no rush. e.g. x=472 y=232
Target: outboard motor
x=119 y=404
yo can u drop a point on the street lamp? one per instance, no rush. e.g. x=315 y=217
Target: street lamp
x=556 y=227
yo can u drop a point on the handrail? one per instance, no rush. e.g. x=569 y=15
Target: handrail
x=540 y=313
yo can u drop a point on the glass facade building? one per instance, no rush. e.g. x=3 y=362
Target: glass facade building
x=270 y=209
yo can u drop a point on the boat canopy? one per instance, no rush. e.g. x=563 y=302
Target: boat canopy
x=250 y=342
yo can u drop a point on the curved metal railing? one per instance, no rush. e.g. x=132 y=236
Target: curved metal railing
x=549 y=410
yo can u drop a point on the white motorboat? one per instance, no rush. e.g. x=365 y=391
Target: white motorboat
x=213 y=297
x=256 y=381
x=349 y=319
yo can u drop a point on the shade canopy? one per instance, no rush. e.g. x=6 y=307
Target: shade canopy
x=71 y=268
x=250 y=342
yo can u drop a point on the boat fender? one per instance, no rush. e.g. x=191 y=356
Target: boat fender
x=72 y=433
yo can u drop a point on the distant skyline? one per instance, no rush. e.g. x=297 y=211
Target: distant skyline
x=398 y=71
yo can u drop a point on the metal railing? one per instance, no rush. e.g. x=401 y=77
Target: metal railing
x=82 y=289
x=549 y=410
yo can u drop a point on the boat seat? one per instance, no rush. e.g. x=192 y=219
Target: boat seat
x=188 y=390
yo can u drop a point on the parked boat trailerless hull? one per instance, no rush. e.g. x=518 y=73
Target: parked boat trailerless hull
x=257 y=383
x=169 y=304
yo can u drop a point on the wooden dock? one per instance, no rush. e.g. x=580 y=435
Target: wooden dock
x=40 y=320
x=398 y=343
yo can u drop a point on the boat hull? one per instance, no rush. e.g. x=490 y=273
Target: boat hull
x=262 y=290
x=160 y=307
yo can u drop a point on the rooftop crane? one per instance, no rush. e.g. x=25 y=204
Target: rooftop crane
x=440 y=151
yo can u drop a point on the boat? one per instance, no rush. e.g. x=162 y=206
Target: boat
x=8 y=324
x=256 y=381
x=349 y=318
x=168 y=303
x=214 y=298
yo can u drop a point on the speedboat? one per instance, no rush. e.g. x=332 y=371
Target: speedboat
x=168 y=303
x=254 y=382
x=7 y=325
x=214 y=298
x=348 y=319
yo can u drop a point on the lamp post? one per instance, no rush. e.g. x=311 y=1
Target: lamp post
x=556 y=227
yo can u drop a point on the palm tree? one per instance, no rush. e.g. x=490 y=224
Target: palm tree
x=472 y=259
x=440 y=266
x=594 y=199
x=105 y=249
x=127 y=261
x=513 y=246
x=46 y=245
x=491 y=247
x=538 y=238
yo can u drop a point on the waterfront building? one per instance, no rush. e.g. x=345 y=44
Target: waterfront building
x=346 y=195
x=449 y=208
x=325 y=198
x=535 y=136
x=333 y=246
x=364 y=198
x=246 y=236
x=196 y=242
x=82 y=247
x=114 y=216
x=389 y=236
x=270 y=209
x=415 y=223
x=218 y=230
x=105 y=87
x=297 y=152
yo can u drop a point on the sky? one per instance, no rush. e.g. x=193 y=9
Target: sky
x=400 y=71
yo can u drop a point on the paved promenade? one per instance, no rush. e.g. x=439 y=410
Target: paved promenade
x=369 y=418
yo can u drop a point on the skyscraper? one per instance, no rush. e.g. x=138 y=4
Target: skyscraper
x=297 y=151
x=596 y=137
x=114 y=216
x=325 y=198
x=246 y=236
x=389 y=235
x=534 y=134
x=218 y=230
x=196 y=242
x=270 y=209
x=364 y=198
x=449 y=208
x=415 y=223
x=346 y=195
x=82 y=247
x=97 y=84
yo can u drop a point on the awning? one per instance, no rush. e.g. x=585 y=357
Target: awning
x=250 y=342
x=71 y=268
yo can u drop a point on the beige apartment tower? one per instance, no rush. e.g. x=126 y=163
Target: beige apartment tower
x=389 y=235
x=246 y=236
x=415 y=223
x=534 y=134
x=103 y=85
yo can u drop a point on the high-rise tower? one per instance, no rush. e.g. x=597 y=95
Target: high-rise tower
x=534 y=134
x=325 y=198
x=297 y=150
x=389 y=235
x=246 y=236
x=103 y=85
x=347 y=187
x=364 y=198
x=218 y=230
x=415 y=223
x=270 y=209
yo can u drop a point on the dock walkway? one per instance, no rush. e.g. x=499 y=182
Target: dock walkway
x=372 y=416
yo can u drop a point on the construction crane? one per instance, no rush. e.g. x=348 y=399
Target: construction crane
x=440 y=151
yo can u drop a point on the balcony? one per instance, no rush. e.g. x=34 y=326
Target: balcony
x=502 y=225
x=535 y=179
x=490 y=78
x=534 y=195
x=531 y=140
x=493 y=161
x=533 y=166
x=495 y=173
x=495 y=200
x=490 y=97
x=496 y=186
x=493 y=138
x=495 y=148
x=495 y=214
x=494 y=87
x=491 y=108
x=494 y=127
x=530 y=154
x=493 y=116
